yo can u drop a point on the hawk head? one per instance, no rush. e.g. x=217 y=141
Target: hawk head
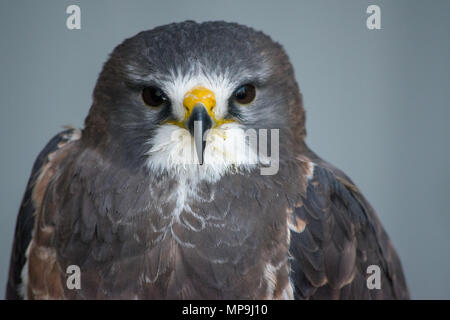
x=188 y=98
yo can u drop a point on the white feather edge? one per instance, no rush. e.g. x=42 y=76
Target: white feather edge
x=23 y=288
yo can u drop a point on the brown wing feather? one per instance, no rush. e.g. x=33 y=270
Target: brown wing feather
x=335 y=236
x=31 y=203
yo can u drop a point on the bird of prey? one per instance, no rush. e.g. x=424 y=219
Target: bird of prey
x=151 y=199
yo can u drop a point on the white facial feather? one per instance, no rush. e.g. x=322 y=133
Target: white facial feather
x=179 y=85
x=229 y=149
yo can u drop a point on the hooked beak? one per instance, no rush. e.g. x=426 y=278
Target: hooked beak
x=199 y=103
x=198 y=123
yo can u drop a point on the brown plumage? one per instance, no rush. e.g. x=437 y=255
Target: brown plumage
x=140 y=227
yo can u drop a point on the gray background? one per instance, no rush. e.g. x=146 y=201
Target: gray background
x=377 y=101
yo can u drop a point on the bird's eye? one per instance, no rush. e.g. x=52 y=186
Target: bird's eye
x=153 y=97
x=245 y=94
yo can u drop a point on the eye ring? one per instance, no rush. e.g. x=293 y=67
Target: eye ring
x=245 y=94
x=153 y=97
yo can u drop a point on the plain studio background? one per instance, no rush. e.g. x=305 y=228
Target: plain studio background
x=377 y=101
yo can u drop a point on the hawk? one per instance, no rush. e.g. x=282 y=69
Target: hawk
x=152 y=199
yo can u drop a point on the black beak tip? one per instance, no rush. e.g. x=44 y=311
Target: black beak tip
x=198 y=123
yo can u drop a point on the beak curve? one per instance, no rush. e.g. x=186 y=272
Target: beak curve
x=198 y=123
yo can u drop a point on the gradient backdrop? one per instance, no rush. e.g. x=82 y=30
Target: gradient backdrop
x=377 y=101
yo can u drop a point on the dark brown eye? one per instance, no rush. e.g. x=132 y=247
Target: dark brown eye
x=154 y=97
x=245 y=94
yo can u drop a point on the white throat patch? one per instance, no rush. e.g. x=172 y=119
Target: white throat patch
x=229 y=149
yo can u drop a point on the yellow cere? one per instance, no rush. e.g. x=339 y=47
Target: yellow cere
x=204 y=96
x=199 y=95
